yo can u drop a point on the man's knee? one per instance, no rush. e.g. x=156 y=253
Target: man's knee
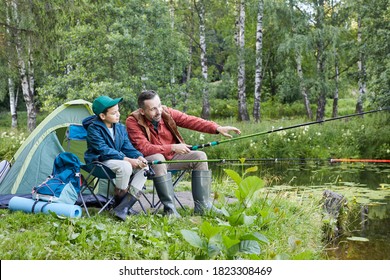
x=201 y=155
x=159 y=169
x=159 y=157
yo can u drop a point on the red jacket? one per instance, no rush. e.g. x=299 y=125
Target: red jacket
x=145 y=139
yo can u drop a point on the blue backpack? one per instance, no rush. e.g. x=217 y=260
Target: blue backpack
x=64 y=184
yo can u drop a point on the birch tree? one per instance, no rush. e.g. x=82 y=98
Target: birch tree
x=13 y=94
x=361 y=69
x=302 y=85
x=336 y=63
x=259 y=62
x=25 y=62
x=203 y=58
x=320 y=57
x=242 y=106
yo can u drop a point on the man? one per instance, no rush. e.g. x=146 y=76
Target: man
x=153 y=130
x=108 y=142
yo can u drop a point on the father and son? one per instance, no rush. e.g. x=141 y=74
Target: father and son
x=151 y=133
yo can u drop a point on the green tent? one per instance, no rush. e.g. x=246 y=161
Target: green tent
x=33 y=161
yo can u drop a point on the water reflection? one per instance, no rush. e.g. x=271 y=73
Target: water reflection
x=366 y=184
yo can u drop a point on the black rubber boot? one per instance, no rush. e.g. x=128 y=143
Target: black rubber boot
x=164 y=189
x=123 y=205
x=201 y=188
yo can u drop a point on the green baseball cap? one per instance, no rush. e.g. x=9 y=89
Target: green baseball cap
x=103 y=102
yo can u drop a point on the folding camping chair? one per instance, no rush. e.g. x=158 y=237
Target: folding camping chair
x=96 y=173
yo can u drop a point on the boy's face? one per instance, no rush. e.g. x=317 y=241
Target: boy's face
x=111 y=116
x=152 y=109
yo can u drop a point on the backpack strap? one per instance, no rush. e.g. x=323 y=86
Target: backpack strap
x=35 y=203
x=33 y=207
x=44 y=205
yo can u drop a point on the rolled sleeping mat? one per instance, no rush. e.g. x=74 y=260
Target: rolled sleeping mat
x=32 y=206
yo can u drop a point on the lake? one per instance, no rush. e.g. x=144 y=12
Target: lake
x=364 y=185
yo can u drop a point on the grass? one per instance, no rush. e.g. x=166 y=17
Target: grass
x=291 y=225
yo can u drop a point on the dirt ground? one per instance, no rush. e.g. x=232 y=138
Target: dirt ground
x=184 y=197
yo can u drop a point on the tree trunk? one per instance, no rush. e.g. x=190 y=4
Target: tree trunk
x=321 y=102
x=26 y=70
x=336 y=90
x=362 y=70
x=203 y=61
x=187 y=77
x=172 y=14
x=13 y=95
x=242 y=106
x=259 y=62
x=13 y=102
x=305 y=95
x=190 y=48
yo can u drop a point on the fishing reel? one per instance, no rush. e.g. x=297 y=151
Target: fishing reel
x=149 y=172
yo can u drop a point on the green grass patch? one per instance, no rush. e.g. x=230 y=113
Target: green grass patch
x=271 y=226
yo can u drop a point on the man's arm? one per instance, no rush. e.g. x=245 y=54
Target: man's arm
x=193 y=123
x=201 y=125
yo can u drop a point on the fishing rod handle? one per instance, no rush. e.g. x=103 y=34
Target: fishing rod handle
x=196 y=147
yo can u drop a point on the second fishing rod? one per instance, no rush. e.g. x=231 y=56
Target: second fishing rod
x=214 y=143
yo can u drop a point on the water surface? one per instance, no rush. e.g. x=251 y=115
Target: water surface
x=367 y=185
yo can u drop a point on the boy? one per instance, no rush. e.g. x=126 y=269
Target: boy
x=108 y=142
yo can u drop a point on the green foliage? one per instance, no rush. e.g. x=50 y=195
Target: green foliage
x=116 y=49
x=357 y=137
x=260 y=225
x=231 y=239
x=12 y=139
x=9 y=143
x=248 y=229
x=87 y=48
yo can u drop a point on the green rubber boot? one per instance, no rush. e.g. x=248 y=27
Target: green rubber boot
x=123 y=206
x=164 y=189
x=201 y=188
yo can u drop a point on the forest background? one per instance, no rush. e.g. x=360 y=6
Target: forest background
x=247 y=60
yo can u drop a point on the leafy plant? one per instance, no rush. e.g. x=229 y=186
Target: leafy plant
x=232 y=238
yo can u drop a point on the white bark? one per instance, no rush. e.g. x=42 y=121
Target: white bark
x=362 y=71
x=203 y=60
x=26 y=70
x=259 y=62
x=13 y=96
x=172 y=14
x=242 y=106
x=305 y=95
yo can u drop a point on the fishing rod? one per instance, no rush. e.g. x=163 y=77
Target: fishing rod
x=272 y=160
x=223 y=161
x=214 y=143
x=154 y=162
x=360 y=160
